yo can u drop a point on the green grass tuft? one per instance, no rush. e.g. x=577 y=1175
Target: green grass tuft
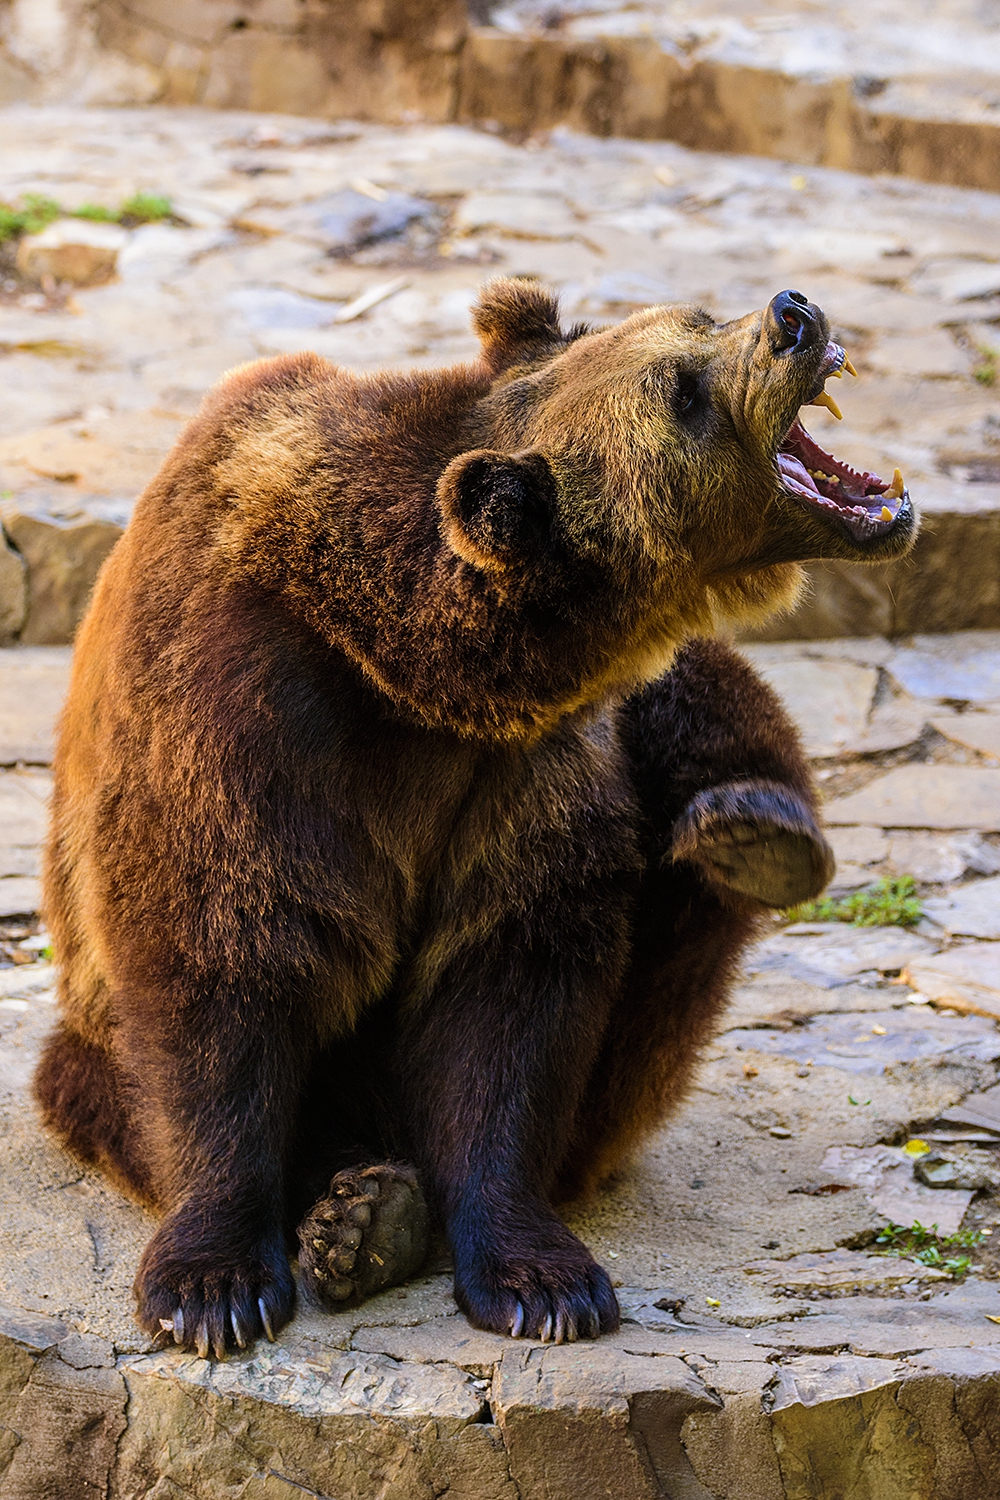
x=890 y=902
x=97 y=212
x=35 y=212
x=986 y=371
x=31 y=217
x=145 y=208
x=922 y=1243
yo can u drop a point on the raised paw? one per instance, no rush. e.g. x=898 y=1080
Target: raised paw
x=759 y=838
x=558 y=1295
x=370 y=1231
x=213 y=1303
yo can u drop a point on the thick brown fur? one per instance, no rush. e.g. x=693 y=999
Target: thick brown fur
x=399 y=813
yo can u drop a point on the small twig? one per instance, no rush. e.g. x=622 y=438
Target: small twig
x=374 y=295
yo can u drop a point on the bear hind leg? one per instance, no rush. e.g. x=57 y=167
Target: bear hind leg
x=369 y=1232
x=82 y=1097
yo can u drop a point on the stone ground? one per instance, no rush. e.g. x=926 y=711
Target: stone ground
x=264 y=256
x=768 y=1352
x=906 y=86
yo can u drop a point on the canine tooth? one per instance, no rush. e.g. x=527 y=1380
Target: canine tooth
x=849 y=367
x=886 y=514
x=895 y=490
x=825 y=400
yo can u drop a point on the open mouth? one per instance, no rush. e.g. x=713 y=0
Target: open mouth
x=865 y=504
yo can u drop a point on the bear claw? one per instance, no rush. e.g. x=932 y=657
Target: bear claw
x=370 y=1232
x=550 y=1302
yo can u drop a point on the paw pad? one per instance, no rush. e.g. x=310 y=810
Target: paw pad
x=370 y=1232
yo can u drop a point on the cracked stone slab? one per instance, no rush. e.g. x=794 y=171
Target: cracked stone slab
x=977 y=731
x=831 y=699
x=779 y=999
x=968 y=975
x=858 y=845
x=840 y=1273
x=954 y=1318
x=33 y=683
x=813 y=1379
x=832 y=953
x=924 y=796
x=939 y=858
x=982 y=1108
x=876 y=1042
x=23 y=799
x=886 y=1176
x=964 y=667
x=970 y=911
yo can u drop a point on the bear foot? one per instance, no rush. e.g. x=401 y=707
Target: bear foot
x=546 y=1287
x=758 y=838
x=370 y=1232
x=212 y=1301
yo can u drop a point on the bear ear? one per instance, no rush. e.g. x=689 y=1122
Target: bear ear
x=497 y=509
x=515 y=320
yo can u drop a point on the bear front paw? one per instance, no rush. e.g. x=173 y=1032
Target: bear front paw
x=370 y=1232
x=758 y=838
x=558 y=1295
x=213 y=1303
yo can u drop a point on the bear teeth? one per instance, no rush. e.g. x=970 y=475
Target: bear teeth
x=823 y=399
x=810 y=474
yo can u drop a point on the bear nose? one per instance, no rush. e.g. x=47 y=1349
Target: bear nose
x=791 y=322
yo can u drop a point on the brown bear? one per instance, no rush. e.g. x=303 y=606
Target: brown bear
x=407 y=825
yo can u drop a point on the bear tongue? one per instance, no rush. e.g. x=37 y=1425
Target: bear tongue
x=798 y=478
x=795 y=471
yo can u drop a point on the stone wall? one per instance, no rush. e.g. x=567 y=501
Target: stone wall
x=366 y=59
x=399 y=60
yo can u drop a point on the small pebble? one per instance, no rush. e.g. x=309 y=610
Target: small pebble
x=780 y=1133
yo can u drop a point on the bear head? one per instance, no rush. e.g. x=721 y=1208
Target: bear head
x=498 y=544
x=668 y=439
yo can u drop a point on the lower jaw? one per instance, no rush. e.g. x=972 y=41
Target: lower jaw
x=862 y=506
x=810 y=536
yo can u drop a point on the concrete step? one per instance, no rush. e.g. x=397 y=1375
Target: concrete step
x=884 y=88
x=100 y=382
x=950 y=581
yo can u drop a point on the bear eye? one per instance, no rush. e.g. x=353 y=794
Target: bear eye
x=686 y=393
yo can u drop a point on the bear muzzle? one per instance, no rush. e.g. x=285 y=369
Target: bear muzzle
x=863 y=508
